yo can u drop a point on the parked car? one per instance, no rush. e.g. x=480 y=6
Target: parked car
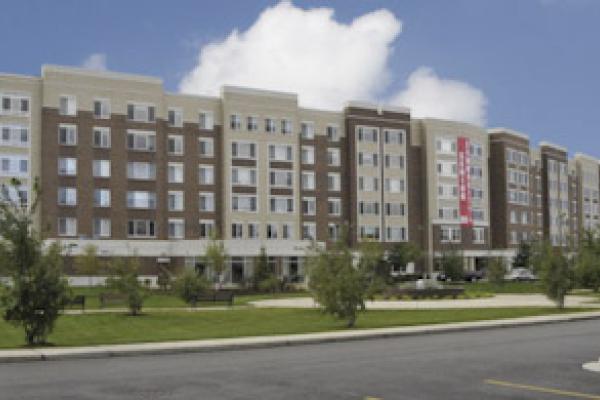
x=520 y=275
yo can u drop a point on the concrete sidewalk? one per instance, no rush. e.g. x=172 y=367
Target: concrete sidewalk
x=42 y=354
x=497 y=301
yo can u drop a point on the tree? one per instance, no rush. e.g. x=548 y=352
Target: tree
x=587 y=266
x=523 y=257
x=88 y=262
x=264 y=278
x=374 y=268
x=451 y=264
x=555 y=274
x=496 y=271
x=216 y=256
x=335 y=283
x=403 y=253
x=38 y=290
x=190 y=286
x=124 y=279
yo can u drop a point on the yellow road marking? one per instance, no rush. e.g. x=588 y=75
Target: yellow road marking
x=372 y=398
x=541 y=389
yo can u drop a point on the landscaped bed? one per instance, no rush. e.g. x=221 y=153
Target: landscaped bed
x=113 y=328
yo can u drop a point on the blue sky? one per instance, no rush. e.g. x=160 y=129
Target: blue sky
x=536 y=61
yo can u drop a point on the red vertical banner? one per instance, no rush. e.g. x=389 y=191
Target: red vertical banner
x=464 y=189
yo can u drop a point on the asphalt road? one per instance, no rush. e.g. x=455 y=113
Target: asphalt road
x=537 y=362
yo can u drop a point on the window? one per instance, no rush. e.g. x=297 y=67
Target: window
x=394 y=136
x=477 y=214
x=252 y=123
x=101 y=197
x=67 y=134
x=307 y=130
x=14 y=104
x=14 y=135
x=447 y=169
x=102 y=227
x=367 y=134
x=235 y=122
x=450 y=234
x=333 y=182
x=67 y=196
x=333 y=157
x=334 y=206
x=175 y=117
x=67 y=166
x=308 y=180
x=282 y=205
x=368 y=183
x=141 y=140
x=206 y=174
x=175 y=200
x=207 y=228
x=253 y=231
x=245 y=150
x=13 y=165
x=394 y=161
x=445 y=145
x=394 y=185
x=369 y=232
x=309 y=231
x=448 y=213
x=447 y=191
x=286 y=231
x=478 y=235
x=67 y=226
x=280 y=152
x=333 y=230
x=271 y=231
x=175 y=145
x=140 y=112
x=308 y=155
x=141 y=170
x=67 y=105
x=176 y=228
x=141 y=199
x=476 y=172
x=101 y=137
x=368 y=159
x=395 y=233
x=281 y=178
x=286 y=127
x=175 y=172
x=101 y=168
x=243 y=176
x=206 y=202
x=475 y=150
x=270 y=125
x=102 y=108
x=141 y=228
x=206 y=120
x=243 y=203
x=332 y=133
x=309 y=205
x=207 y=147
x=368 y=208
x=394 y=209
x=237 y=230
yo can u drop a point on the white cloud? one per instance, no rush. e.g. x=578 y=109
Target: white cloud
x=305 y=51
x=96 y=61
x=428 y=95
x=327 y=63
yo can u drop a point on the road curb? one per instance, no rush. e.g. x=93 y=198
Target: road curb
x=258 y=342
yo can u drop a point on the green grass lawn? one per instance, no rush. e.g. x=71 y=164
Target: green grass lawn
x=505 y=288
x=93 y=329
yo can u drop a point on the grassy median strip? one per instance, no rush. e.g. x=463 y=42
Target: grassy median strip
x=115 y=328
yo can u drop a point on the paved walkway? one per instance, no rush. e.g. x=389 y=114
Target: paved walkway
x=500 y=300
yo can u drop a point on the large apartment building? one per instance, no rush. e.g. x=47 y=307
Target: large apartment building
x=134 y=170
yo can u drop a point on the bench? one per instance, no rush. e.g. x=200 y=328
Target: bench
x=107 y=298
x=78 y=300
x=414 y=293
x=215 y=296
